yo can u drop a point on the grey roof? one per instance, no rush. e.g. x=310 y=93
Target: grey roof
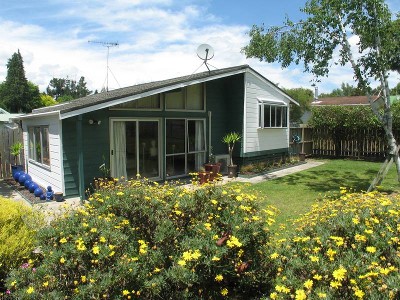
x=138 y=89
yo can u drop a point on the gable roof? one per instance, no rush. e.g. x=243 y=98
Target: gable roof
x=122 y=95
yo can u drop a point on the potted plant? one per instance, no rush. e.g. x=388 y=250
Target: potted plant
x=212 y=166
x=15 y=150
x=230 y=139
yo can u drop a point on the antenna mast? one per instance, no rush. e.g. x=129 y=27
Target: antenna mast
x=108 y=45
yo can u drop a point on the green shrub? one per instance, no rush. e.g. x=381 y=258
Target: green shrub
x=153 y=241
x=17 y=235
x=346 y=248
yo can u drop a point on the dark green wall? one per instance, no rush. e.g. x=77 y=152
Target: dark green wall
x=225 y=98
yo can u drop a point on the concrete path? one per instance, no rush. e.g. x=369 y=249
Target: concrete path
x=280 y=173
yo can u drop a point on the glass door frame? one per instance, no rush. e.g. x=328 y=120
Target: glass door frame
x=137 y=120
x=187 y=152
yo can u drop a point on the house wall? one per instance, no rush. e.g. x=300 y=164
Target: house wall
x=261 y=141
x=225 y=101
x=46 y=175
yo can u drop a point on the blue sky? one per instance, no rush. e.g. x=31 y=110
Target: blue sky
x=157 y=39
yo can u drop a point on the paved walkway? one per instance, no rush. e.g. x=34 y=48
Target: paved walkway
x=54 y=207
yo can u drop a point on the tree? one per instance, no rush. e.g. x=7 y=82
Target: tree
x=304 y=97
x=65 y=89
x=47 y=100
x=326 y=30
x=16 y=93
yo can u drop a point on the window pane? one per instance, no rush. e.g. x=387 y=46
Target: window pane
x=174 y=99
x=31 y=144
x=38 y=146
x=175 y=136
x=284 y=116
x=45 y=146
x=196 y=135
x=273 y=116
x=267 y=116
x=195 y=161
x=130 y=150
x=278 y=111
x=148 y=151
x=175 y=165
x=194 y=97
x=151 y=102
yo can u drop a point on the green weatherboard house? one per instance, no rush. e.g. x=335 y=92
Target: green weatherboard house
x=160 y=130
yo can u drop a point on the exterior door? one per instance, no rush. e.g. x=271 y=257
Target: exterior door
x=135 y=148
x=185 y=146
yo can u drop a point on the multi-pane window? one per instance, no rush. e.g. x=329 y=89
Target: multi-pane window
x=150 y=103
x=272 y=115
x=39 y=150
x=188 y=98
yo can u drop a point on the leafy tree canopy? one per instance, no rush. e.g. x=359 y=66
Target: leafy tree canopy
x=65 y=89
x=17 y=94
x=304 y=97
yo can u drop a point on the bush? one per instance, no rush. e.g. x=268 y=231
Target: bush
x=153 y=241
x=347 y=248
x=17 y=235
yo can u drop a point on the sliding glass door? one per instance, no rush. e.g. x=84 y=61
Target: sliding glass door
x=185 y=146
x=135 y=148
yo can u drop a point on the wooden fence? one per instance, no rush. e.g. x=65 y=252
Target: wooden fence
x=366 y=143
x=8 y=137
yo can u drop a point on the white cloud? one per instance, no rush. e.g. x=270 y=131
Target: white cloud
x=158 y=40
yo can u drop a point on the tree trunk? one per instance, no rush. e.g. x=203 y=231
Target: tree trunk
x=386 y=119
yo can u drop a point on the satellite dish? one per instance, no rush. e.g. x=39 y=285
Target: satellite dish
x=205 y=52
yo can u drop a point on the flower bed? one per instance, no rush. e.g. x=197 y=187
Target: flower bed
x=262 y=168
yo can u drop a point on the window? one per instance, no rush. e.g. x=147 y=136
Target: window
x=188 y=98
x=150 y=102
x=39 y=150
x=272 y=114
x=185 y=146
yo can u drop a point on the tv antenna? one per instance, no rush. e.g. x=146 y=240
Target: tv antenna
x=205 y=52
x=108 y=45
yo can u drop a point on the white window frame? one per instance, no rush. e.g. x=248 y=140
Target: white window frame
x=32 y=154
x=273 y=104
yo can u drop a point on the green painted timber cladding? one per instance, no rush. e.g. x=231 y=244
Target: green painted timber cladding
x=224 y=98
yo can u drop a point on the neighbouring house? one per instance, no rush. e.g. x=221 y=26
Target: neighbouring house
x=10 y=133
x=160 y=130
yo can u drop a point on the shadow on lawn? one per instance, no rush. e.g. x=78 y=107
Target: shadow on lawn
x=330 y=180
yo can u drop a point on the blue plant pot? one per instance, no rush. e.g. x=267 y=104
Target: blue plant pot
x=27 y=183
x=28 y=177
x=33 y=186
x=15 y=169
x=22 y=179
x=42 y=197
x=38 y=192
x=16 y=175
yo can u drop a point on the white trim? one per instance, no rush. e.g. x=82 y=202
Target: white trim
x=36 y=115
x=275 y=102
x=259 y=76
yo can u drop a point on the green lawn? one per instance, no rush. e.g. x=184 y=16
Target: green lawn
x=294 y=194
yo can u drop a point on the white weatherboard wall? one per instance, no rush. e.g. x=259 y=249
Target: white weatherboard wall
x=41 y=174
x=255 y=138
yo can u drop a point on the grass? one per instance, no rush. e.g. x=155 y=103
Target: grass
x=294 y=194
